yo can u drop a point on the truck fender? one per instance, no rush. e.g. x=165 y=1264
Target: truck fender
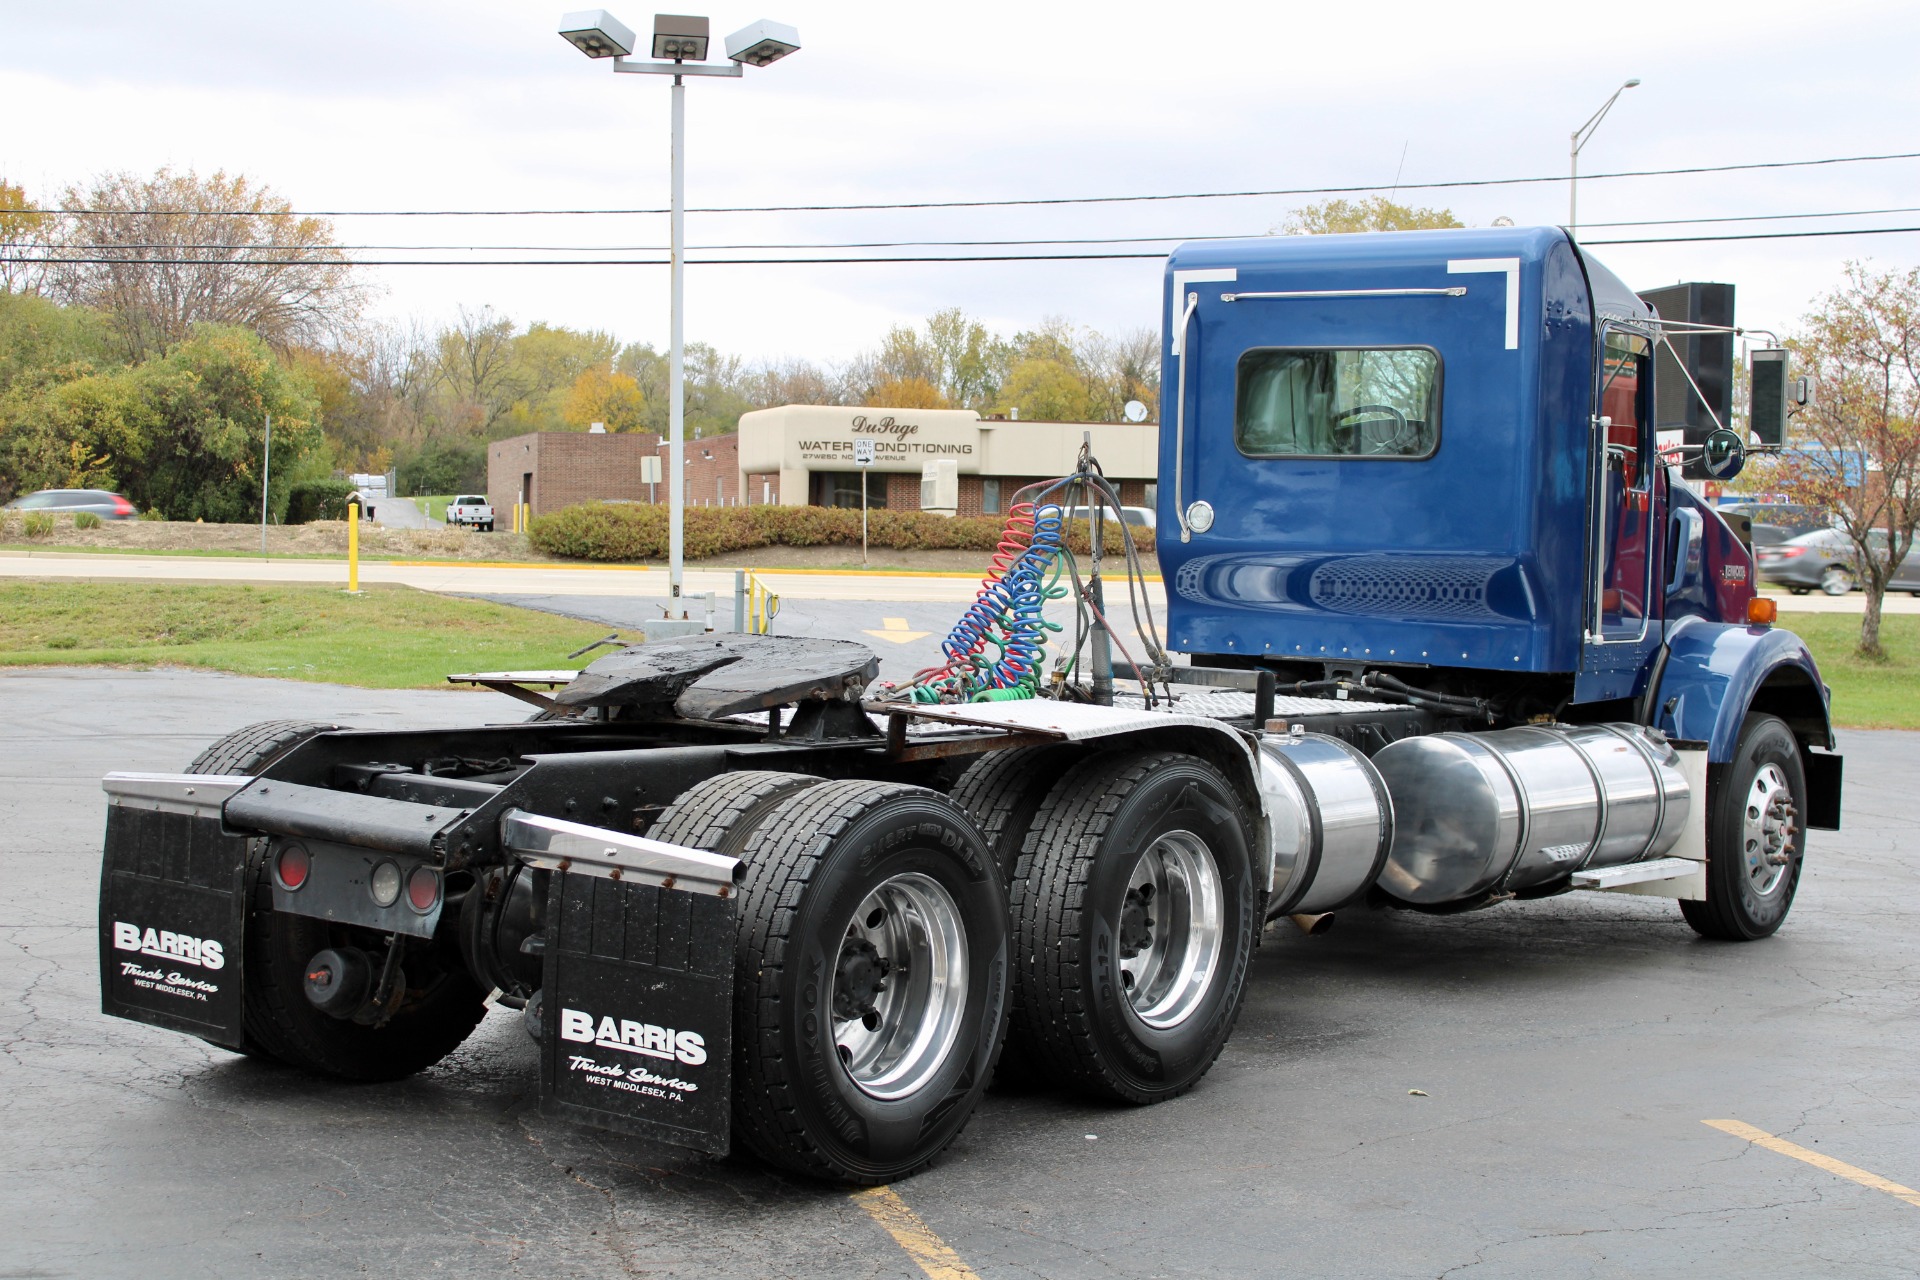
x=1715 y=674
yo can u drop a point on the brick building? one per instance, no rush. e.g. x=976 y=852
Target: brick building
x=800 y=455
x=556 y=469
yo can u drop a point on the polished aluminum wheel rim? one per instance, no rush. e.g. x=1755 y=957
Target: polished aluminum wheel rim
x=1768 y=830
x=900 y=986
x=1171 y=929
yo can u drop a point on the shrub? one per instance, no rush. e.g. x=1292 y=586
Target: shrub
x=318 y=500
x=85 y=520
x=155 y=515
x=38 y=524
x=638 y=531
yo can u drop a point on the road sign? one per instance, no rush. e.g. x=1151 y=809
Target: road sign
x=649 y=468
x=863 y=453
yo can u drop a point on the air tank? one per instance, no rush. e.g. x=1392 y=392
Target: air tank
x=1331 y=822
x=1524 y=808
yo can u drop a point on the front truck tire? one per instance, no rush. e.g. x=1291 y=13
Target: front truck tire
x=1756 y=836
x=1134 y=918
x=440 y=1008
x=872 y=959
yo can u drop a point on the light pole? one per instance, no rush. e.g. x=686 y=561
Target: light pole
x=1579 y=140
x=680 y=47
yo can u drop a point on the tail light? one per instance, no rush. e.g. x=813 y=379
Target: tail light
x=423 y=889
x=1788 y=553
x=384 y=884
x=121 y=507
x=292 y=867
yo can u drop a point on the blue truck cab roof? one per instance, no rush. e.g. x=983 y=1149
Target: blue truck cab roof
x=1392 y=433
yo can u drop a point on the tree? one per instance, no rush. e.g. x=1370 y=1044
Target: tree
x=183 y=432
x=1047 y=390
x=601 y=395
x=475 y=365
x=164 y=254
x=1375 y=214
x=22 y=238
x=906 y=393
x=1855 y=451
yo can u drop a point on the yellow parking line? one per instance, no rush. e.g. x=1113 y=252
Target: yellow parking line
x=927 y=1250
x=1838 y=1168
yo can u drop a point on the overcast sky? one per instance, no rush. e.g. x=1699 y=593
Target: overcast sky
x=432 y=104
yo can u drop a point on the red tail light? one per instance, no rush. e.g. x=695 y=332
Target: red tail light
x=292 y=866
x=1788 y=553
x=121 y=507
x=423 y=889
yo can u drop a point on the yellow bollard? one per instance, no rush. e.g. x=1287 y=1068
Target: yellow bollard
x=353 y=548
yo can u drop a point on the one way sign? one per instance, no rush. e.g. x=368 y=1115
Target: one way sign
x=863 y=453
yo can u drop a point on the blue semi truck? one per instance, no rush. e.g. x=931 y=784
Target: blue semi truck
x=1444 y=631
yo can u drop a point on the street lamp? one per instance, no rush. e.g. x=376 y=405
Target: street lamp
x=680 y=43
x=1580 y=137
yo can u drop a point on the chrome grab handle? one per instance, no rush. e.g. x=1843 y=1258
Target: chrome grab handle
x=1180 y=417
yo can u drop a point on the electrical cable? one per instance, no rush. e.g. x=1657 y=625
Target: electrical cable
x=43 y=260
x=860 y=244
x=1455 y=184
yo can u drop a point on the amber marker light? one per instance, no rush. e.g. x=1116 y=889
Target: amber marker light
x=1762 y=612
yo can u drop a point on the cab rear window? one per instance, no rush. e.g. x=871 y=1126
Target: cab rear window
x=1338 y=402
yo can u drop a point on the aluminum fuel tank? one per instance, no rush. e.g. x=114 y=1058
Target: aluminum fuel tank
x=1521 y=808
x=1331 y=818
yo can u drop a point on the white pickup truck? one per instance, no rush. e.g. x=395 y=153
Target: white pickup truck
x=471 y=511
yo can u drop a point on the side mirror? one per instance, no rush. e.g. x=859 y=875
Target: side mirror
x=1724 y=455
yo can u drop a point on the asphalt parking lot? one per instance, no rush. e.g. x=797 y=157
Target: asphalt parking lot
x=1569 y=1053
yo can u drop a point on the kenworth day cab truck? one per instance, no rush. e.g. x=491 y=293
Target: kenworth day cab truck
x=1455 y=636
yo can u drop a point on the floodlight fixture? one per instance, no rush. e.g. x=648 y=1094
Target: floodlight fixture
x=679 y=37
x=761 y=43
x=597 y=33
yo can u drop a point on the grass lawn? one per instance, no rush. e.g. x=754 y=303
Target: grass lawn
x=436 y=506
x=385 y=638
x=1866 y=695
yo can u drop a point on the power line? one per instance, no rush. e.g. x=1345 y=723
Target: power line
x=778 y=262
x=992 y=204
x=858 y=244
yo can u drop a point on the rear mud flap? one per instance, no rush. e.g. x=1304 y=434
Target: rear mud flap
x=172 y=915
x=637 y=1010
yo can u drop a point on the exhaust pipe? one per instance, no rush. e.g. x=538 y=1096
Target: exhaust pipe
x=1314 y=924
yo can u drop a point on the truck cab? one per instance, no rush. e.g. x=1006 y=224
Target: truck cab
x=1433 y=454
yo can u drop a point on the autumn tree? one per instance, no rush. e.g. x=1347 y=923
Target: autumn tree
x=905 y=393
x=1377 y=213
x=160 y=255
x=601 y=395
x=22 y=240
x=1855 y=451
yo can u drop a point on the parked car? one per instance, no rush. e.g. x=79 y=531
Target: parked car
x=471 y=511
x=99 y=502
x=1767 y=535
x=1795 y=518
x=1827 y=559
x=1138 y=517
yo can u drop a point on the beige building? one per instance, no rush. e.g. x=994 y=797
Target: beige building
x=803 y=454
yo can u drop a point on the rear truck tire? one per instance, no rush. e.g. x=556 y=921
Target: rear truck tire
x=718 y=815
x=1135 y=919
x=871 y=993
x=438 y=1009
x=1836 y=581
x=249 y=750
x=246 y=752
x=1756 y=836
x=1002 y=790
